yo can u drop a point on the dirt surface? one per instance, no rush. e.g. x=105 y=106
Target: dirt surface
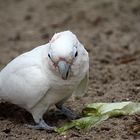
x=110 y=31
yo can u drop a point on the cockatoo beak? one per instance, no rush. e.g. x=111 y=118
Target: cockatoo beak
x=64 y=69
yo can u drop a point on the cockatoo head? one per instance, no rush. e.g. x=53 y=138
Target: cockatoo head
x=63 y=52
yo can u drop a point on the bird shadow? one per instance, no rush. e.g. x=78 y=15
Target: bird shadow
x=14 y=113
x=19 y=115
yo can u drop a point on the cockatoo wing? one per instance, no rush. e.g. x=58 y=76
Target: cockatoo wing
x=23 y=80
x=82 y=86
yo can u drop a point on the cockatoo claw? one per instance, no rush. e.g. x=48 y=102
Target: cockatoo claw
x=42 y=125
x=67 y=112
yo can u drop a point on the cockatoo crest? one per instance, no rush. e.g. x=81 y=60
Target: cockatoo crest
x=63 y=45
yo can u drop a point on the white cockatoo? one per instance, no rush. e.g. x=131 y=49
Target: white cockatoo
x=45 y=76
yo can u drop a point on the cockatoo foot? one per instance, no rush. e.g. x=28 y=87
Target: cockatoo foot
x=67 y=112
x=42 y=125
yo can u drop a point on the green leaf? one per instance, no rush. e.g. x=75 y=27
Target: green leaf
x=112 y=109
x=97 y=112
x=65 y=127
x=82 y=123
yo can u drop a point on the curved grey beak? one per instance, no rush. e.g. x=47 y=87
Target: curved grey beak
x=64 y=69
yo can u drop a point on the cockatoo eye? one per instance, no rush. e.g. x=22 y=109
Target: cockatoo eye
x=76 y=54
x=49 y=55
x=51 y=58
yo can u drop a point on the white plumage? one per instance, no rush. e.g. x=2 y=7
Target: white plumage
x=47 y=75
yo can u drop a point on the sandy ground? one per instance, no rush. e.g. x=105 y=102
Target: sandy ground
x=110 y=31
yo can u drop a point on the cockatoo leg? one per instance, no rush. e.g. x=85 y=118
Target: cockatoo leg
x=42 y=125
x=37 y=113
x=67 y=112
